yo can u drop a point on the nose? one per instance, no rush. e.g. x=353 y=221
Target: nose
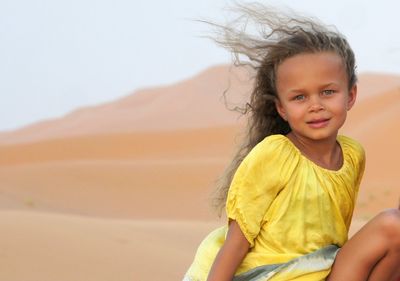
x=316 y=104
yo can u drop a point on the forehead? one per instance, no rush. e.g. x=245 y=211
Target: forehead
x=310 y=69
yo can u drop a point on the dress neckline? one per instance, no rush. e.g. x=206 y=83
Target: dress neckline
x=339 y=140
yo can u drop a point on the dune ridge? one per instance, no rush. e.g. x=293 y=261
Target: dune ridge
x=185 y=105
x=108 y=191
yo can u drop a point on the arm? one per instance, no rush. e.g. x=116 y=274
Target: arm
x=230 y=255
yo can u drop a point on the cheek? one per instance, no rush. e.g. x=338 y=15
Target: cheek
x=340 y=111
x=340 y=106
x=295 y=111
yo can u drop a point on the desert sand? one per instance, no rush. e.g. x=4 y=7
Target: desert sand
x=121 y=191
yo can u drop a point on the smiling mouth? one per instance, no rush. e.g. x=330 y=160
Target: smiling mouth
x=318 y=123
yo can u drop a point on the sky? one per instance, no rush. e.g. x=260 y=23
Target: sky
x=59 y=55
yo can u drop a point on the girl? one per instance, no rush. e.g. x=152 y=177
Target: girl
x=291 y=188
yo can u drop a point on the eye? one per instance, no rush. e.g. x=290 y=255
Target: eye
x=299 y=97
x=327 y=92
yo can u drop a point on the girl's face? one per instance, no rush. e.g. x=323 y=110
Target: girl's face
x=313 y=94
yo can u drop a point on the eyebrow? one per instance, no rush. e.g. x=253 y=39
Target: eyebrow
x=300 y=90
x=330 y=84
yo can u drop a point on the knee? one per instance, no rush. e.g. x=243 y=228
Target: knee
x=388 y=223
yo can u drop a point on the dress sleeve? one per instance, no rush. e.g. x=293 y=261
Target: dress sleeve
x=357 y=156
x=255 y=185
x=360 y=167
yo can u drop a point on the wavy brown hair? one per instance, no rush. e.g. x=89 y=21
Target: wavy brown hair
x=261 y=37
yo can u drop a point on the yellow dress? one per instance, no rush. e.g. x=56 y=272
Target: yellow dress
x=289 y=209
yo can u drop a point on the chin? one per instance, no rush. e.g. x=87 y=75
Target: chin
x=320 y=136
x=325 y=136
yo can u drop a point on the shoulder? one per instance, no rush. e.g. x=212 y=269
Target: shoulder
x=271 y=146
x=353 y=150
x=263 y=163
x=351 y=146
x=273 y=152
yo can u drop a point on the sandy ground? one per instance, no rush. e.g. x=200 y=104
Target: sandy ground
x=48 y=247
x=130 y=201
x=45 y=246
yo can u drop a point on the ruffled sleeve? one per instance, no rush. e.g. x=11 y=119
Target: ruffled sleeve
x=255 y=185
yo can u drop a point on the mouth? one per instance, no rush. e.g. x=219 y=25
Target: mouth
x=318 y=123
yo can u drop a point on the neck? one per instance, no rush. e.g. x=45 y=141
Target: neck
x=325 y=153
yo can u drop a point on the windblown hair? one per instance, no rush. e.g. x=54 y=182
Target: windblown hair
x=262 y=38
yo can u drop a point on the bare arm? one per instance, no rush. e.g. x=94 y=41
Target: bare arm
x=230 y=255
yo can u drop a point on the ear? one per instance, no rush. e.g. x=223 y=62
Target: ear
x=352 y=97
x=280 y=109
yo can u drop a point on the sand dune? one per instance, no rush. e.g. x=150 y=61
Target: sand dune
x=137 y=176
x=373 y=122
x=187 y=144
x=48 y=247
x=110 y=191
x=124 y=189
x=194 y=103
x=373 y=84
x=148 y=169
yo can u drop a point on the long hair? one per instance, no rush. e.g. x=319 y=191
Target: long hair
x=261 y=38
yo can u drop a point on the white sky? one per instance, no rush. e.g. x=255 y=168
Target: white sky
x=56 y=56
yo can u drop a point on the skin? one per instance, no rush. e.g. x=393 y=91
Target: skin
x=230 y=255
x=373 y=253
x=314 y=97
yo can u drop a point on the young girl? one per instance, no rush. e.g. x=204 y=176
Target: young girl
x=291 y=189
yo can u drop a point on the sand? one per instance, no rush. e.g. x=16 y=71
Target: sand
x=48 y=247
x=121 y=191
